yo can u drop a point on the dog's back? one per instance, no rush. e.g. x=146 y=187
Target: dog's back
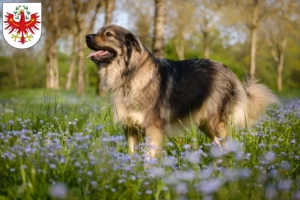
x=209 y=94
x=196 y=84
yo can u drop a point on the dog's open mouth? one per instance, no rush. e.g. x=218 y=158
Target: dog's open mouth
x=102 y=55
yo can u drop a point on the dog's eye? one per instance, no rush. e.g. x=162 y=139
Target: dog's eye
x=108 y=34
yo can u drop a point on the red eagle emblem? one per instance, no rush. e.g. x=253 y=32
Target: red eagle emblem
x=23 y=26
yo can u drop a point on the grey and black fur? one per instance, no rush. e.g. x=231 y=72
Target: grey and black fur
x=161 y=96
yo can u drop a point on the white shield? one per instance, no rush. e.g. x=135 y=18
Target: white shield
x=22 y=24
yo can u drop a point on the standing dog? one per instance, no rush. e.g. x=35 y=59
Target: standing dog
x=160 y=96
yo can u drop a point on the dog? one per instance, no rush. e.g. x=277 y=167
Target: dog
x=159 y=97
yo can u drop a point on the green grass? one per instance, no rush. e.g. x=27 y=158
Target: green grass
x=55 y=145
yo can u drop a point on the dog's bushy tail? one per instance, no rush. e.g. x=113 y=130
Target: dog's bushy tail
x=253 y=101
x=259 y=97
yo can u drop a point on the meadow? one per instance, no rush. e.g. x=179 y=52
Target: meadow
x=56 y=145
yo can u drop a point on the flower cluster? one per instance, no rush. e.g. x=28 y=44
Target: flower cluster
x=65 y=156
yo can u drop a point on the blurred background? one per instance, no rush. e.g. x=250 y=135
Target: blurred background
x=257 y=38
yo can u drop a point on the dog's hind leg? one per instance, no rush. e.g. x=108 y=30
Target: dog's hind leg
x=220 y=131
x=215 y=131
x=154 y=139
x=132 y=135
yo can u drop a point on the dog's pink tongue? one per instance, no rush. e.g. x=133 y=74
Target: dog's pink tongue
x=95 y=53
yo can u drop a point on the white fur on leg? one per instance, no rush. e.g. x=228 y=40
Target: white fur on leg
x=217 y=141
x=154 y=139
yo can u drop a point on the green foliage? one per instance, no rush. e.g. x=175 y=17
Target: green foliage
x=29 y=70
x=21 y=71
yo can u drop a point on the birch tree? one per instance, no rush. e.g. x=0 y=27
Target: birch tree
x=84 y=11
x=159 y=25
x=109 y=9
x=54 y=18
x=207 y=14
x=252 y=12
x=277 y=28
x=183 y=18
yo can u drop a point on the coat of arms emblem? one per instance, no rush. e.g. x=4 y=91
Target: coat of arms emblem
x=22 y=24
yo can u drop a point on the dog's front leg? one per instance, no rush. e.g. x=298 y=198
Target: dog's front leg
x=154 y=140
x=132 y=135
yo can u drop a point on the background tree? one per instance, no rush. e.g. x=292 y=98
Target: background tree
x=183 y=18
x=82 y=13
x=278 y=27
x=56 y=22
x=207 y=16
x=109 y=9
x=159 y=25
x=72 y=62
x=252 y=13
x=142 y=26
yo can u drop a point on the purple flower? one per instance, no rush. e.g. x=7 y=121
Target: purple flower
x=193 y=157
x=156 y=172
x=94 y=183
x=244 y=173
x=53 y=166
x=113 y=190
x=293 y=141
x=58 y=191
x=148 y=191
x=285 y=185
x=181 y=188
x=285 y=165
x=210 y=186
x=270 y=192
x=99 y=127
x=169 y=161
x=184 y=175
x=269 y=156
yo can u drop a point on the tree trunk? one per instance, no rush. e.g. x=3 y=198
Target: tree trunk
x=109 y=8
x=159 y=23
x=52 y=79
x=72 y=64
x=81 y=31
x=253 y=30
x=253 y=52
x=80 y=75
x=180 y=50
x=205 y=32
x=205 y=44
x=280 y=65
x=279 y=72
x=179 y=46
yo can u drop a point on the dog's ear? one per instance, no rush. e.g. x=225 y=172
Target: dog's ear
x=132 y=42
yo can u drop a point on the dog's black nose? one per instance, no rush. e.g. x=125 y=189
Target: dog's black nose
x=89 y=37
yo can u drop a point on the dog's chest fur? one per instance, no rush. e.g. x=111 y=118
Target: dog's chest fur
x=126 y=112
x=132 y=97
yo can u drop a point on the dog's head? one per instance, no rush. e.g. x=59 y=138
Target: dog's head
x=110 y=43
